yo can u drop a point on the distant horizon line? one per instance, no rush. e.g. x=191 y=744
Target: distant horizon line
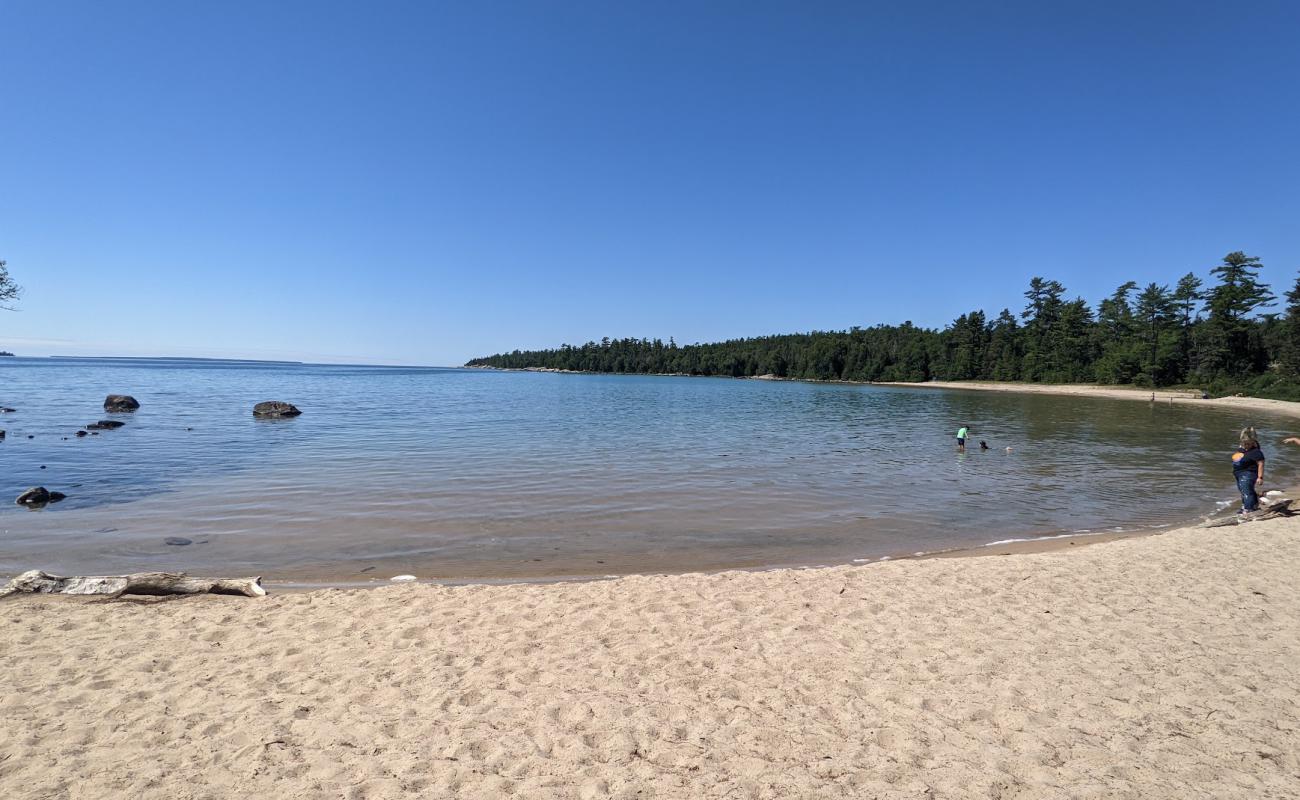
x=208 y=359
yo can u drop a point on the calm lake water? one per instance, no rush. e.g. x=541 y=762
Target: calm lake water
x=477 y=474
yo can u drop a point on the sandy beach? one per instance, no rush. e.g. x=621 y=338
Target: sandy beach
x=1283 y=407
x=1164 y=666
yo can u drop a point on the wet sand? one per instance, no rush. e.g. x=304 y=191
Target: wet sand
x=1162 y=666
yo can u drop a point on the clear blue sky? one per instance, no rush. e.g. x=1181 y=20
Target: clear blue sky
x=427 y=182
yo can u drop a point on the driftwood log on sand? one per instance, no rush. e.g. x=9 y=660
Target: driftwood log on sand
x=146 y=583
x=1267 y=510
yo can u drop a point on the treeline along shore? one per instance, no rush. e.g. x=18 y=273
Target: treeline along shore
x=1217 y=334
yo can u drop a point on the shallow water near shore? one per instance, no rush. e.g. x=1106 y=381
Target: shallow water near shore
x=461 y=474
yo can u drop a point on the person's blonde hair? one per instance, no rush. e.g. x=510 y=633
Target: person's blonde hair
x=1249 y=439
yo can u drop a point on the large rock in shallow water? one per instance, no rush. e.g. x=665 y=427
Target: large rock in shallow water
x=39 y=497
x=120 y=402
x=274 y=409
x=35 y=496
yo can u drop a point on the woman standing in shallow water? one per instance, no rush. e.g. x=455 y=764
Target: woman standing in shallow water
x=1248 y=469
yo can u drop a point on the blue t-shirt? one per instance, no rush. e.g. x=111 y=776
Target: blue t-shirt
x=1246 y=460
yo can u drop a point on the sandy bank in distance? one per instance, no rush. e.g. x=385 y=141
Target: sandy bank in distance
x=1180 y=397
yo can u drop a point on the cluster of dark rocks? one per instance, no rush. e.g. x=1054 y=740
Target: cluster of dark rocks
x=113 y=404
x=39 y=496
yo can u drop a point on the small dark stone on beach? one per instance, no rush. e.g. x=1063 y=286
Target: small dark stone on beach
x=275 y=409
x=177 y=541
x=105 y=425
x=119 y=403
x=80 y=433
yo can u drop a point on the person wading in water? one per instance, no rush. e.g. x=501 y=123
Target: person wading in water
x=1248 y=470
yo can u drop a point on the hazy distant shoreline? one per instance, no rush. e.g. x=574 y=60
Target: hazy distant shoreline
x=1186 y=396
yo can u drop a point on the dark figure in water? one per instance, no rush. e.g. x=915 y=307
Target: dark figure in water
x=984 y=445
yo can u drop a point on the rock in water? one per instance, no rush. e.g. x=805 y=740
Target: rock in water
x=35 y=496
x=274 y=409
x=117 y=403
x=57 y=496
x=82 y=433
x=7 y=410
x=105 y=425
x=177 y=541
x=2 y=434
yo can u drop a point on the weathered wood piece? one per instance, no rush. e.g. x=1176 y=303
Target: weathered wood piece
x=1275 y=510
x=142 y=583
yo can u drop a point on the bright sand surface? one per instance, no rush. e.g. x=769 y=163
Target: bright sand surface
x=1165 y=666
x=1283 y=407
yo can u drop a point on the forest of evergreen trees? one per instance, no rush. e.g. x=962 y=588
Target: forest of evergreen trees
x=1217 y=337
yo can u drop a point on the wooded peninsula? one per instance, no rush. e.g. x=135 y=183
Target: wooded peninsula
x=1218 y=338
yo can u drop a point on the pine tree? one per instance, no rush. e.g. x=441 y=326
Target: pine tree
x=1187 y=296
x=1289 y=354
x=1237 y=295
x=8 y=289
x=1155 y=312
x=1041 y=316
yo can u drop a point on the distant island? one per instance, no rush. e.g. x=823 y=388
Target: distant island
x=6 y=353
x=1155 y=336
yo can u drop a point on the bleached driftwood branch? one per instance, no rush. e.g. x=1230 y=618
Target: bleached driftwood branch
x=1274 y=510
x=146 y=583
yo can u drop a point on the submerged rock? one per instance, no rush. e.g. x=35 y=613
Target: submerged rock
x=105 y=425
x=177 y=541
x=82 y=433
x=274 y=409
x=118 y=403
x=2 y=434
x=7 y=410
x=57 y=496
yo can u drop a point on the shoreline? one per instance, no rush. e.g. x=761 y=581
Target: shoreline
x=1286 y=408
x=370 y=578
x=1049 y=543
x=1157 y=666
